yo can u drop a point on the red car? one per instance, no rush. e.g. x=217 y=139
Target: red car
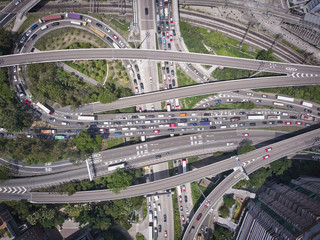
x=184 y=188
x=156 y=131
x=27 y=102
x=171 y=38
x=165 y=234
x=265 y=157
x=288 y=123
x=245 y=134
x=115 y=36
x=199 y=216
x=180 y=199
x=268 y=149
x=172 y=124
x=102 y=130
x=207 y=204
x=171 y=20
x=182 y=218
x=299 y=123
x=167 y=34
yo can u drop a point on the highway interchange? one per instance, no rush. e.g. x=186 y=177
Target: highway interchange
x=177 y=147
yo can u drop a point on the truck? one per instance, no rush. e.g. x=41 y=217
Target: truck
x=168 y=107
x=288 y=99
x=184 y=165
x=203 y=123
x=304 y=117
x=34 y=26
x=166 y=12
x=177 y=102
x=75 y=23
x=163 y=65
x=307 y=104
x=158 y=19
x=155 y=221
x=255 y=116
x=159 y=40
x=183 y=114
x=50 y=18
x=234 y=119
x=60 y=137
x=115 y=45
x=48 y=131
x=161 y=14
x=87 y=117
x=73 y=16
x=178 y=191
x=273 y=117
x=97 y=31
x=150 y=216
x=150 y=231
x=182 y=124
x=278 y=104
x=116 y=166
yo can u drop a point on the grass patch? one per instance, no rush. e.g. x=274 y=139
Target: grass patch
x=190 y=102
x=241 y=105
x=119 y=25
x=176 y=217
x=236 y=209
x=217 y=154
x=117 y=74
x=122 y=110
x=144 y=208
x=283 y=128
x=139 y=236
x=170 y=166
x=183 y=79
x=159 y=73
x=298 y=50
x=197 y=197
x=163 y=105
x=111 y=143
x=157 y=43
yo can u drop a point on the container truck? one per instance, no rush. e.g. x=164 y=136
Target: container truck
x=48 y=131
x=87 y=117
x=97 y=31
x=73 y=15
x=256 y=116
x=205 y=123
x=150 y=216
x=307 y=104
x=50 y=18
x=158 y=19
x=288 y=99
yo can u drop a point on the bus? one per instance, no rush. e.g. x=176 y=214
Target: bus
x=274 y=117
x=97 y=31
x=184 y=165
x=60 y=137
x=116 y=166
x=278 y=104
x=178 y=191
x=307 y=104
x=288 y=99
x=255 y=116
x=45 y=109
x=87 y=117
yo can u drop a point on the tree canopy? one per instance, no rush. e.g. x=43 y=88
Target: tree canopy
x=119 y=180
x=87 y=143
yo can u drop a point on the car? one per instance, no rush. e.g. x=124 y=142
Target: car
x=184 y=188
x=52 y=119
x=259 y=101
x=181 y=208
x=268 y=149
x=182 y=218
x=200 y=129
x=18 y=2
x=264 y=96
x=280 y=122
x=27 y=102
x=28 y=32
x=167 y=34
x=138 y=76
x=67 y=117
x=157 y=157
x=242 y=124
x=299 y=123
x=185 y=199
x=174 y=32
x=99 y=25
x=165 y=217
x=233 y=125
x=146 y=12
x=171 y=20
x=206 y=229
x=208 y=203
x=67 y=131
x=293 y=117
x=108 y=30
x=22 y=39
x=230 y=143
x=229 y=100
x=252 y=124
x=33 y=36
x=169 y=46
x=156 y=131
x=136 y=89
x=265 y=122
x=289 y=106
x=115 y=36
x=249 y=94
x=55 y=24
x=180 y=197
x=245 y=134
x=266 y=157
x=167 y=24
x=307 y=110
x=159 y=30
x=288 y=123
x=141 y=86
x=135 y=82
x=199 y=216
x=102 y=130
x=165 y=234
x=173 y=82
x=171 y=38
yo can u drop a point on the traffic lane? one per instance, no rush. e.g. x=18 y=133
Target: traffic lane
x=127 y=54
x=146 y=14
x=6 y=18
x=168 y=183
x=255 y=157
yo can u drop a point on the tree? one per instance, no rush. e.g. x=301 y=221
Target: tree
x=47 y=217
x=221 y=233
x=228 y=201
x=278 y=167
x=87 y=143
x=245 y=146
x=224 y=211
x=4 y=174
x=265 y=55
x=119 y=180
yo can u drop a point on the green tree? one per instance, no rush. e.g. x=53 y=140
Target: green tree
x=221 y=233
x=4 y=174
x=87 y=143
x=228 y=201
x=265 y=55
x=6 y=41
x=47 y=217
x=278 y=167
x=108 y=95
x=119 y=180
x=224 y=211
x=245 y=146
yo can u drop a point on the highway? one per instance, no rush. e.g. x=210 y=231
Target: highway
x=279 y=150
x=157 y=55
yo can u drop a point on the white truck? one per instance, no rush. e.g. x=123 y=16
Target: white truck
x=255 y=116
x=307 y=104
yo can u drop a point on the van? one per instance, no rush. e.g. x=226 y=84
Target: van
x=223 y=126
x=285 y=114
x=160 y=116
x=191 y=230
x=147 y=121
x=44 y=27
x=183 y=114
x=156 y=198
x=164 y=77
x=133 y=128
x=65 y=123
x=117 y=133
x=159 y=207
x=125 y=128
x=142 y=116
x=88 y=20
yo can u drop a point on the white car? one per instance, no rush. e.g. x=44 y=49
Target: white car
x=230 y=144
x=233 y=125
x=249 y=94
x=128 y=133
x=28 y=33
x=193 y=119
x=200 y=129
x=218 y=122
x=229 y=100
